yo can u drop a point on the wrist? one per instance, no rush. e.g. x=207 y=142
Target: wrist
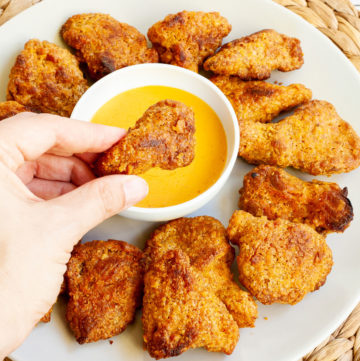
x=14 y=325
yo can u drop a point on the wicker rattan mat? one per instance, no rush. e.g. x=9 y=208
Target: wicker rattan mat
x=340 y=21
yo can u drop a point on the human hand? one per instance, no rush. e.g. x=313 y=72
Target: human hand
x=37 y=235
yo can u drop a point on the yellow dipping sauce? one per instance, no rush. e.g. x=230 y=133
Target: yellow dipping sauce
x=171 y=187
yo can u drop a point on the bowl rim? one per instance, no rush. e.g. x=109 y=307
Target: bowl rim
x=202 y=197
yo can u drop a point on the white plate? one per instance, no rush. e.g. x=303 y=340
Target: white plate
x=290 y=331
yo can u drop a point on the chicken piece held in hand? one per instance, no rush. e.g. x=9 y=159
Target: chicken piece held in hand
x=163 y=137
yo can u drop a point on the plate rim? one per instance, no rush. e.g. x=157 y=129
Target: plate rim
x=345 y=312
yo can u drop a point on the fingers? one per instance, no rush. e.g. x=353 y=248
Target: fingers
x=52 y=167
x=26 y=136
x=88 y=157
x=46 y=189
x=85 y=207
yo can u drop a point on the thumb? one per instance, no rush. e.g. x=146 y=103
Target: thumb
x=85 y=207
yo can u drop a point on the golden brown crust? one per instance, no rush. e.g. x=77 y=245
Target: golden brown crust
x=272 y=192
x=46 y=78
x=314 y=139
x=179 y=312
x=203 y=239
x=185 y=39
x=11 y=108
x=104 y=44
x=279 y=261
x=104 y=281
x=255 y=56
x=259 y=101
x=47 y=317
x=163 y=137
x=188 y=278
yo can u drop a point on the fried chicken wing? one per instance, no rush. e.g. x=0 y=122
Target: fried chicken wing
x=270 y=191
x=104 y=44
x=255 y=56
x=279 y=261
x=163 y=137
x=259 y=101
x=185 y=39
x=104 y=281
x=181 y=312
x=11 y=108
x=314 y=139
x=46 y=78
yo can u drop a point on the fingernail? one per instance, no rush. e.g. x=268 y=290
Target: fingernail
x=135 y=189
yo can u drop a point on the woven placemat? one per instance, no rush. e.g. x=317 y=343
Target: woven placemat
x=337 y=19
x=340 y=21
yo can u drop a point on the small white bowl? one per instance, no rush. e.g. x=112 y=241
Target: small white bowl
x=167 y=75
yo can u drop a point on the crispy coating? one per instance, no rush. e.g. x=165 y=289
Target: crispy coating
x=255 y=56
x=180 y=312
x=47 y=317
x=104 y=281
x=259 y=101
x=163 y=137
x=199 y=248
x=46 y=78
x=314 y=139
x=270 y=191
x=11 y=108
x=203 y=239
x=104 y=44
x=185 y=39
x=279 y=261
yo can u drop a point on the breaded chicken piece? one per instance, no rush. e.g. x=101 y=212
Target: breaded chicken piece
x=46 y=78
x=104 y=281
x=259 y=101
x=180 y=312
x=314 y=139
x=270 y=191
x=279 y=261
x=185 y=39
x=163 y=137
x=11 y=108
x=104 y=44
x=203 y=239
x=253 y=57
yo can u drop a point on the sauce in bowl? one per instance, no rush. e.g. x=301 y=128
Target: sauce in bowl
x=171 y=187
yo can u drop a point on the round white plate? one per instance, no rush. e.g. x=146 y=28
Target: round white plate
x=289 y=331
